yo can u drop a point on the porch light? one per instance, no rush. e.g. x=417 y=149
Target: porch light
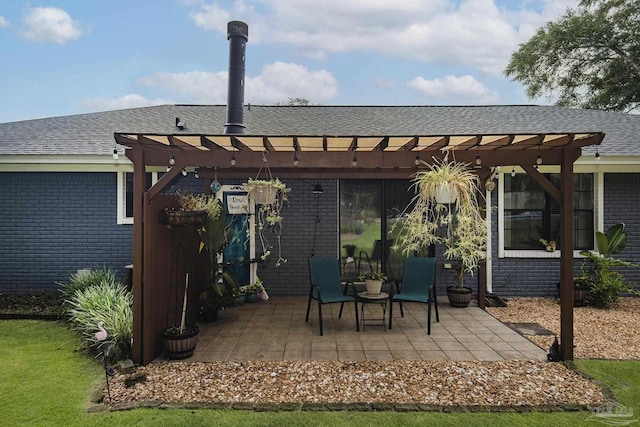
x=184 y=172
x=233 y=159
x=354 y=161
x=196 y=173
x=317 y=189
x=417 y=162
x=115 y=153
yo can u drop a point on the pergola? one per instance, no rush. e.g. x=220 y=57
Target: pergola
x=341 y=156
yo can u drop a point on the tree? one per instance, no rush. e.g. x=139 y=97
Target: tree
x=589 y=58
x=294 y=102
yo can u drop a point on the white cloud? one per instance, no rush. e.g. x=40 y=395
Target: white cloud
x=476 y=33
x=3 y=22
x=452 y=89
x=276 y=83
x=280 y=81
x=50 y=25
x=131 y=100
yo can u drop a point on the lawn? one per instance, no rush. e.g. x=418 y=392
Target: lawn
x=47 y=380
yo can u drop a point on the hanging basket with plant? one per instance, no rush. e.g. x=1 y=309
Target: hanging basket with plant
x=446 y=211
x=269 y=195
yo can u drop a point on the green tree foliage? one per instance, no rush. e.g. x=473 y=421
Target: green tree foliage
x=294 y=102
x=589 y=58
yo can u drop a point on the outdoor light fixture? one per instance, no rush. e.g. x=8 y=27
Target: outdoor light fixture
x=317 y=189
x=172 y=160
x=513 y=171
x=354 y=161
x=233 y=159
x=597 y=154
x=115 y=153
x=539 y=158
x=196 y=173
x=295 y=159
x=180 y=124
x=184 y=172
x=478 y=160
x=417 y=162
x=168 y=168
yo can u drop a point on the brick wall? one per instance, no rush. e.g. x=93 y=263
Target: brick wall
x=538 y=277
x=56 y=223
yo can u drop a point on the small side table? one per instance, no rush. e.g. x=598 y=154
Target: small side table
x=367 y=298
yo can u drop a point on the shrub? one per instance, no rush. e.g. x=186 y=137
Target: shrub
x=605 y=284
x=111 y=305
x=84 y=279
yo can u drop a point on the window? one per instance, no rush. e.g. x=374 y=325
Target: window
x=368 y=210
x=125 y=194
x=530 y=214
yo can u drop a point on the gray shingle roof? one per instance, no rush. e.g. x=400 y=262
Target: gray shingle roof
x=92 y=134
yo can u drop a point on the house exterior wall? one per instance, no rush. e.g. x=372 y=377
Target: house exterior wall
x=537 y=277
x=55 y=223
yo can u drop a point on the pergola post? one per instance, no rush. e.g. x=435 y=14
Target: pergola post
x=566 y=251
x=139 y=180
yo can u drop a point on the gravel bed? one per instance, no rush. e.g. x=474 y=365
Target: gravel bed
x=425 y=384
x=597 y=334
x=430 y=385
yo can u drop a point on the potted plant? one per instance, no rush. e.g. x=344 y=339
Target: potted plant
x=446 y=211
x=253 y=292
x=179 y=341
x=605 y=284
x=373 y=281
x=549 y=245
x=270 y=195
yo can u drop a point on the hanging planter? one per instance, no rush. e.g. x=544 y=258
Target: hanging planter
x=446 y=211
x=269 y=195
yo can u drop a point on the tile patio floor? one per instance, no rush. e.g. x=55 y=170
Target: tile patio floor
x=276 y=330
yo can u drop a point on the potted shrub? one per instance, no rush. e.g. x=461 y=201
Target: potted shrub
x=270 y=195
x=180 y=341
x=446 y=211
x=373 y=281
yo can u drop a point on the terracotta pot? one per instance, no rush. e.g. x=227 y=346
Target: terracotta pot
x=459 y=296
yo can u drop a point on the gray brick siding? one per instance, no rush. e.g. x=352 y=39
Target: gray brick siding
x=56 y=223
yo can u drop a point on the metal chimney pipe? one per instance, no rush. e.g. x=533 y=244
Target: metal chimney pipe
x=238 y=36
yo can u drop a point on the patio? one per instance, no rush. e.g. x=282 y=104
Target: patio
x=275 y=330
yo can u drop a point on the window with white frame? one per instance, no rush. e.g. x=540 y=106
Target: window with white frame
x=125 y=194
x=530 y=214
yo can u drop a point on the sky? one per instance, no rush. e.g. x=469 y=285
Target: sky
x=64 y=57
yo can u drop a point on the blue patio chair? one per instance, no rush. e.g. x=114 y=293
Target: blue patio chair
x=326 y=286
x=418 y=285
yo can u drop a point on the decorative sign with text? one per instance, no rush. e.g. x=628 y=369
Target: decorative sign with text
x=238 y=204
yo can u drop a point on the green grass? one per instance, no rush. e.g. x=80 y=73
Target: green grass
x=45 y=381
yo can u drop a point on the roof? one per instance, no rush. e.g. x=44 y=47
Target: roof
x=93 y=133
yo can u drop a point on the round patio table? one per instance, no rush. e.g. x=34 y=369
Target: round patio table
x=366 y=298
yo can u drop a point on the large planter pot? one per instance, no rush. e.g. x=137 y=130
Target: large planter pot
x=241 y=299
x=459 y=296
x=253 y=297
x=580 y=293
x=180 y=346
x=373 y=286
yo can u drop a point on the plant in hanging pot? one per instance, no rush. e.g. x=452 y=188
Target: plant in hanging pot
x=446 y=211
x=270 y=195
x=373 y=281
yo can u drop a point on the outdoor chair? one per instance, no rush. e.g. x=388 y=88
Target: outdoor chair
x=326 y=287
x=418 y=285
x=375 y=256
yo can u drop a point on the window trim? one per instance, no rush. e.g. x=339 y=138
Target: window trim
x=598 y=202
x=122 y=196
